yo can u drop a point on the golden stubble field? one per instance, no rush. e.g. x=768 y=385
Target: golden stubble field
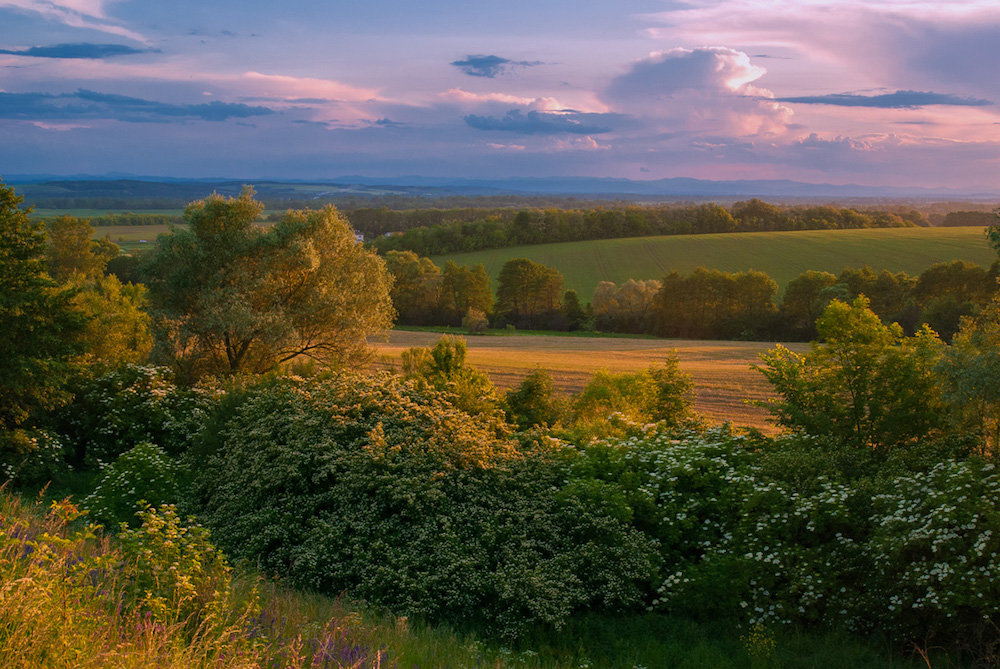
x=723 y=378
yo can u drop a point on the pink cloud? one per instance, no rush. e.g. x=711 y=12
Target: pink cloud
x=291 y=87
x=466 y=97
x=90 y=14
x=701 y=90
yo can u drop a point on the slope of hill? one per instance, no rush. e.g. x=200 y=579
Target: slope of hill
x=782 y=255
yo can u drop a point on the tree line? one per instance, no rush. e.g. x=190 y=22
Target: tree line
x=705 y=304
x=538 y=226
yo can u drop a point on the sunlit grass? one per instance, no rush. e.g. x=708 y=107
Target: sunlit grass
x=65 y=602
x=781 y=255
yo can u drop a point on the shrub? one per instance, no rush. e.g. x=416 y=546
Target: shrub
x=534 y=402
x=140 y=477
x=443 y=368
x=864 y=383
x=115 y=410
x=619 y=404
x=383 y=488
x=174 y=572
x=475 y=321
x=935 y=552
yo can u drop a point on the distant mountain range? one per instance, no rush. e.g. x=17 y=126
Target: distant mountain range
x=591 y=187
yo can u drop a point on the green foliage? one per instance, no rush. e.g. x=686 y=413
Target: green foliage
x=475 y=321
x=863 y=383
x=528 y=293
x=993 y=232
x=140 y=477
x=416 y=287
x=384 y=489
x=443 y=368
x=464 y=288
x=625 y=308
x=944 y=315
x=118 y=327
x=715 y=304
x=72 y=253
x=174 y=572
x=229 y=296
x=934 y=548
x=802 y=305
x=572 y=312
x=534 y=402
x=433 y=233
x=673 y=399
x=970 y=369
x=618 y=404
x=39 y=336
x=116 y=409
x=908 y=551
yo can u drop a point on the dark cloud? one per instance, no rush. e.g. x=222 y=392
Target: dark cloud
x=897 y=100
x=84 y=104
x=489 y=66
x=81 y=50
x=538 y=123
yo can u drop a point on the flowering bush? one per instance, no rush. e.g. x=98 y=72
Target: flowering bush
x=935 y=553
x=142 y=476
x=386 y=489
x=912 y=553
x=127 y=405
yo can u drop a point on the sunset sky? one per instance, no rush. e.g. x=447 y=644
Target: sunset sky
x=874 y=92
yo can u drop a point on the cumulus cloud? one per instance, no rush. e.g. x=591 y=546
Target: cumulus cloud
x=79 y=50
x=707 y=89
x=897 y=100
x=538 y=123
x=909 y=44
x=84 y=104
x=489 y=66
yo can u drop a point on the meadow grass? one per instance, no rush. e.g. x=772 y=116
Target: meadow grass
x=724 y=382
x=64 y=602
x=781 y=255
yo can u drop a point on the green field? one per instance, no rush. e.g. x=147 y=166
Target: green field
x=782 y=255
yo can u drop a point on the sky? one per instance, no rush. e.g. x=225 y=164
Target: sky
x=871 y=92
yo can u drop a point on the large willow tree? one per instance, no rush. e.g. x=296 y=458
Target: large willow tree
x=230 y=296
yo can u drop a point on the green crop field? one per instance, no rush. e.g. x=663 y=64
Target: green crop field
x=782 y=255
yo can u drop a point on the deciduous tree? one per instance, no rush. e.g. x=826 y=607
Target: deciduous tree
x=528 y=293
x=229 y=296
x=863 y=381
x=39 y=331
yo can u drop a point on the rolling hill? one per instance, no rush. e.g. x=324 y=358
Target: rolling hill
x=782 y=255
